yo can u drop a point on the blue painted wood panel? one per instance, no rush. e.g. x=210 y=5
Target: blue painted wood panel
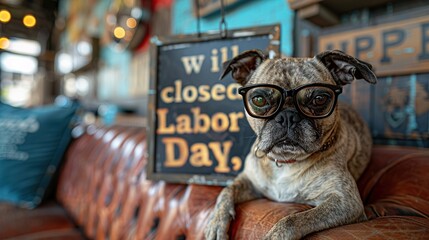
x=249 y=13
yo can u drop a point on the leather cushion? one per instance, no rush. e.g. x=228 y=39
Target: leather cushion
x=49 y=219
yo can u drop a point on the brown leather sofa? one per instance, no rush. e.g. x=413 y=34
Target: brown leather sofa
x=102 y=193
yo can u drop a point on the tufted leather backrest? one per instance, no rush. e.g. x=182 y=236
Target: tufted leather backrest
x=396 y=182
x=103 y=185
x=101 y=181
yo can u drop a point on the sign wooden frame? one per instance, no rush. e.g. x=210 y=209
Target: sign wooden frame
x=207 y=7
x=395 y=47
x=269 y=34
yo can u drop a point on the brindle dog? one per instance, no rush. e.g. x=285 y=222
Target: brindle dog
x=308 y=150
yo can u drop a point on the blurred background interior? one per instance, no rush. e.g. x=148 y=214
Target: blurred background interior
x=97 y=51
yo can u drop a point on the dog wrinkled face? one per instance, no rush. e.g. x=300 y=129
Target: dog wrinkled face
x=289 y=134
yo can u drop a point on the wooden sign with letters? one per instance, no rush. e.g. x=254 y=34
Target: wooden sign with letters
x=396 y=48
x=197 y=125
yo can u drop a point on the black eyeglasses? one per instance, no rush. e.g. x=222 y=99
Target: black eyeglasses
x=316 y=100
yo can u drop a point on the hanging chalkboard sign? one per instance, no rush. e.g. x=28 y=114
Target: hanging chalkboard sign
x=198 y=132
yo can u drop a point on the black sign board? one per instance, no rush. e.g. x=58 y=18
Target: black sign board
x=197 y=125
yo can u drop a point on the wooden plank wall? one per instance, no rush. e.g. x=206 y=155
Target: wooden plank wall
x=394 y=38
x=396 y=108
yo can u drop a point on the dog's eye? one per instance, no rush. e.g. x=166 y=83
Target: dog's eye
x=259 y=101
x=320 y=100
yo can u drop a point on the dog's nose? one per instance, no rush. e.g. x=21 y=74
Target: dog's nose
x=288 y=118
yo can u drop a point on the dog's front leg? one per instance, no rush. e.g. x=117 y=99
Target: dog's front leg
x=239 y=191
x=333 y=212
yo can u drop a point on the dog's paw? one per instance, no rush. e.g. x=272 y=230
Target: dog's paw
x=218 y=226
x=278 y=235
x=221 y=217
x=282 y=230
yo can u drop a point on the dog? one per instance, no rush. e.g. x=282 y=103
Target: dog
x=308 y=148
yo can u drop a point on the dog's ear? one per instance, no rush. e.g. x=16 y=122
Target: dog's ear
x=243 y=65
x=344 y=68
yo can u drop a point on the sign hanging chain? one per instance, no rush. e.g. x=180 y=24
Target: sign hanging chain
x=223 y=30
x=197 y=4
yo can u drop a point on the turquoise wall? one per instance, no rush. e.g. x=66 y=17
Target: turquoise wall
x=245 y=14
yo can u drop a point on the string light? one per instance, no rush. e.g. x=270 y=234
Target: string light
x=29 y=20
x=131 y=22
x=119 y=32
x=5 y=16
x=4 y=43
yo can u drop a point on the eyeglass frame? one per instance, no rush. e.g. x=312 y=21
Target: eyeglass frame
x=290 y=93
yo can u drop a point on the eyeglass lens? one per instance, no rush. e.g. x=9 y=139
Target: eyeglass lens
x=315 y=101
x=312 y=101
x=263 y=101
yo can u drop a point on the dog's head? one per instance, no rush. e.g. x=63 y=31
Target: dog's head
x=290 y=102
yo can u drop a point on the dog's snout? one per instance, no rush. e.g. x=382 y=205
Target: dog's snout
x=288 y=118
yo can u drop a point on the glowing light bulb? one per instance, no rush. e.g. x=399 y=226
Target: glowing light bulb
x=119 y=32
x=5 y=16
x=131 y=22
x=29 y=20
x=4 y=43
